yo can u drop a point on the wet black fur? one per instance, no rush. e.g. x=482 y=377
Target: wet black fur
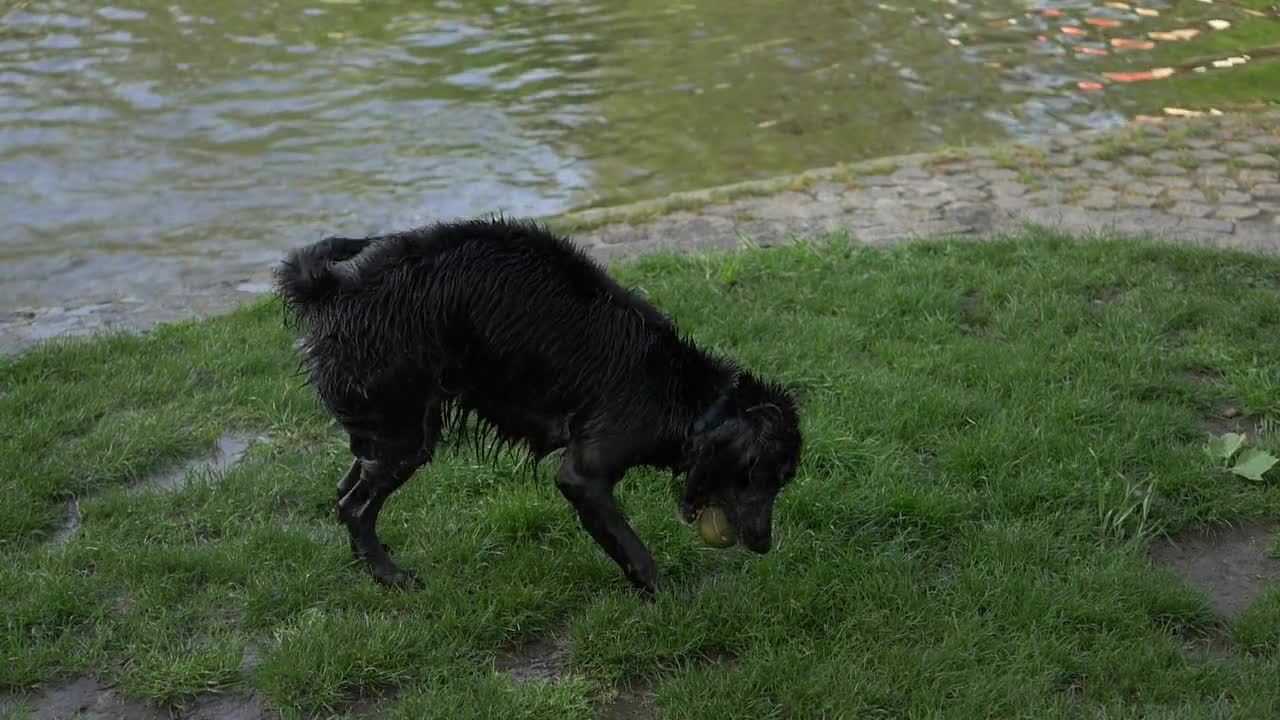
x=406 y=336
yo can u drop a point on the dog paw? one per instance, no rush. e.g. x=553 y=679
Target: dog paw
x=648 y=594
x=645 y=582
x=359 y=556
x=399 y=579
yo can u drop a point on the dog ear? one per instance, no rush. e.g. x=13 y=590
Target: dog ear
x=720 y=411
x=734 y=442
x=719 y=455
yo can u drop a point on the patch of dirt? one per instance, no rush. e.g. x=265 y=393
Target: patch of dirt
x=85 y=698
x=1105 y=295
x=538 y=660
x=973 y=316
x=1205 y=375
x=371 y=706
x=543 y=660
x=929 y=463
x=635 y=700
x=1229 y=565
x=1207 y=645
x=229 y=707
x=70 y=523
x=250 y=659
x=82 y=697
x=1230 y=419
x=631 y=703
x=229 y=450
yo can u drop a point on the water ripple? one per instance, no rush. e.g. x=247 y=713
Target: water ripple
x=184 y=127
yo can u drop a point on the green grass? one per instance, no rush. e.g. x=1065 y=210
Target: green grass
x=1245 y=86
x=1137 y=141
x=1005 y=158
x=1130 y=141
x=941 y=158
x=960 y=541
x=1186 y=160
x=851 y=173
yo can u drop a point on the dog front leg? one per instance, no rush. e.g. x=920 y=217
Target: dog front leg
x=591 y=494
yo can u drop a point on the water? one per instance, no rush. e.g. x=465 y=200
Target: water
x=142 y=131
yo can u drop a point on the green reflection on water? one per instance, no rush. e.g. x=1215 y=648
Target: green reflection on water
x=740 y=90
x=189 y=126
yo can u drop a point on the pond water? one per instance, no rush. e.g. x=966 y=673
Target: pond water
x=150 y=128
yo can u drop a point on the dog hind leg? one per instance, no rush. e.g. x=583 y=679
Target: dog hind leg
x=378 y=480
x=345 y=485
x=392 y=463
x=349 y=480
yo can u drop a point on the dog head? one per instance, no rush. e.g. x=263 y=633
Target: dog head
x=744 y=450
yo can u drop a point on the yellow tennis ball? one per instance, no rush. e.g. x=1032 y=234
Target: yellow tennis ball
x=714 y=527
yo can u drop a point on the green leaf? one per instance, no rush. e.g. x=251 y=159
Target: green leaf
x=1224 y=446
x=1253 y=463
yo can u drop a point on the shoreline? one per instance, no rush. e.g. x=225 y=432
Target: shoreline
x=1213 y=180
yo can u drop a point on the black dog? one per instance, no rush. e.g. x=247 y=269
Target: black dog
x=407 y=335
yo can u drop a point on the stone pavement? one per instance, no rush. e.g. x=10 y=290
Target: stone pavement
x=1213 y=180
x=1210 y=180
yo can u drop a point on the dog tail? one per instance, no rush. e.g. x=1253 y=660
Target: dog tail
x=308 y=275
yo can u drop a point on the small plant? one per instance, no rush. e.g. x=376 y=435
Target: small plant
x=1249 y=463
x=942 y=158
x=1032 y=156
x=849 y=174
x=1186 y=160
x=1005 y=159
x=730 y=270
x=1124 y=510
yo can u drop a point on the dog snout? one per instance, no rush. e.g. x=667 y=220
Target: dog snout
x=755 y=524
x=757 y=544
